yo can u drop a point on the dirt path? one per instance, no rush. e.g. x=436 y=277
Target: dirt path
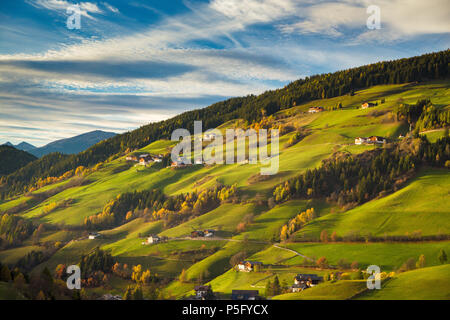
x=293 y=251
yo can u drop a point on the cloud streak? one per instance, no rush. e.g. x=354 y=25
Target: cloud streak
x=215 y=50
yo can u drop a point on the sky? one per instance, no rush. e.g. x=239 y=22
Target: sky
x=135 y=62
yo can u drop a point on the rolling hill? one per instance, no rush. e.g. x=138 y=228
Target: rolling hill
x=395 y=225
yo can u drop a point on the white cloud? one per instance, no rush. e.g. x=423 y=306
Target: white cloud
x=254 y=11
x=399 y=18
x=110 y=7
x=61 y=6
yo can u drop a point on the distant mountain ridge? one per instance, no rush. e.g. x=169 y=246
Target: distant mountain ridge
x=73 y=145
x=24 y=146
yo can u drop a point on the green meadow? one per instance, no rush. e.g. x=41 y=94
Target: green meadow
x=400 y=213
x=387 y=255
x=431 y=283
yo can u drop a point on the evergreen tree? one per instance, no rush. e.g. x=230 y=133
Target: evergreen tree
x=442 y=256
x=269 y=289
x=276 y=286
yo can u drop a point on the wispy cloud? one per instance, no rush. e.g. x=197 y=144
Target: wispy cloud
x=131 y=76
x=86 y=8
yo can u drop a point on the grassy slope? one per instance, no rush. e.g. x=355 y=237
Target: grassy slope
x=390 y=215
x=340 y=290
x=388 y=256
x=422 y=284
x=12 y=256
x=225 y=219
x=232 y=279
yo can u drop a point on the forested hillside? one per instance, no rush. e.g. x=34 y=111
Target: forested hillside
x=250 y=108
x=12 y=159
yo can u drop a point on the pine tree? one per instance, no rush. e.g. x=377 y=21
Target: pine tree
x=5 y=274
x=442 y=256
x=276 y=286
x=269 y=289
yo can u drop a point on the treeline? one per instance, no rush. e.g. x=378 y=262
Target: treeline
x=154 y=205
x=20 y=180
x=347 y=178
x=13 y=230
x=250 y=108
x=37 y=286
x=297 y=223
x=424 y=115
x=436 y=154
x=98 y=260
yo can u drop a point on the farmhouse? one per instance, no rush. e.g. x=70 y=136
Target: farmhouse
x=361 y=140
x=94 y=235
x=370 y=140
x=245 y=295
x=197 y=234
x=209 y=136
x=315 y=109
x=208 y=233
x=248 y=266
x=131 y=158
x=366 y=105
x=152 y=239
x=144 y=159
x=310 y=280
x=376 y=139
x=203 y=292
x=298 y=287
x=179 y=164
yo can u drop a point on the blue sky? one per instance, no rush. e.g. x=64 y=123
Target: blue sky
x=134 y=62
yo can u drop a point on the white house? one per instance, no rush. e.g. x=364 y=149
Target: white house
x=315 y=109
x=209 y=136
x=361 y=140
x=248 y=265
x=152 y=239
x=94 y=235
x=366 y=105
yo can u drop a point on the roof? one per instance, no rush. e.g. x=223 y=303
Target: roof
x=245 y=292
x=254 y=262
x=202 y=288
x=301 y=286
x=251 y=262
x=304 y=276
